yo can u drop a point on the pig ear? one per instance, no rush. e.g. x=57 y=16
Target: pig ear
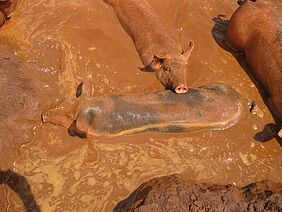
x=188 y=51
x=154 y=65
x=86 y=88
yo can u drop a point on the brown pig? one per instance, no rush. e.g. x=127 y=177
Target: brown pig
x=256 y=29
x=157 y=49
x=215 y=106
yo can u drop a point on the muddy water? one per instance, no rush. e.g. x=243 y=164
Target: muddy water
x=72 y=39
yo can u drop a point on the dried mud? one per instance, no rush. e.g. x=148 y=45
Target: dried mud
x=53 y=45
x=173 y=193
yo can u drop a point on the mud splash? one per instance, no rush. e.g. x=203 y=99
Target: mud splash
x=72 y=39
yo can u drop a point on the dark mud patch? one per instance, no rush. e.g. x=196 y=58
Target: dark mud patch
x=173 y=193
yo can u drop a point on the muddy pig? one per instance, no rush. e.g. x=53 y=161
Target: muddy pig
x=215 y=106
x=256 y=29
x=157 y=49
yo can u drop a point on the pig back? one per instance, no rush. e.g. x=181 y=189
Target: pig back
x=216 y=106
x=146 y=29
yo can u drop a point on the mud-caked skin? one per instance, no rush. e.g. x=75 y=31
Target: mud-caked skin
x=216 y=106
x=256 y=29
x=157 y=49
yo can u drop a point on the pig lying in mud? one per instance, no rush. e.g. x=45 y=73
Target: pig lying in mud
x=215 y=106
x=157 y=49
x=256 y=29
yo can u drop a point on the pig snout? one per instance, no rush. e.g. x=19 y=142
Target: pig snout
x=48 y=117
x=181 y=89
x=56 y=117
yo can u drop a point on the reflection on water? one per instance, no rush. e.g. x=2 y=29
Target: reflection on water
x=72 y=39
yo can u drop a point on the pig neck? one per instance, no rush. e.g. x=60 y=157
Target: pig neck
x=145 y=27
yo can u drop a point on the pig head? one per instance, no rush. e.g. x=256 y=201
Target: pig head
x=171 y=69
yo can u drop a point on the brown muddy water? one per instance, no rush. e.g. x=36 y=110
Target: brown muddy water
x=59 y=43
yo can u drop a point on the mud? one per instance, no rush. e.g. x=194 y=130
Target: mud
x=24 y=90
x=173 y=193
x=68 y=40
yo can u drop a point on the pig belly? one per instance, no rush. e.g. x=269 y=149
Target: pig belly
x=211 y=107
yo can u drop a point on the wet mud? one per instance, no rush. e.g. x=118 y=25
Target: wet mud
x=54 y=45
x=23 y=92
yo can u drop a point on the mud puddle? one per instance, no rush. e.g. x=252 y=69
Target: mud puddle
x=70 y=40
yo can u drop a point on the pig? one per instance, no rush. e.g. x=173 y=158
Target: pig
x=215 y=106
x=256 y=29
x=157 y=49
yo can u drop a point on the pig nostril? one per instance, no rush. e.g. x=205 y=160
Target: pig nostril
x=181 y=89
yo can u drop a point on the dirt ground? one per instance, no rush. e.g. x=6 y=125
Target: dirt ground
x=48 y=47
